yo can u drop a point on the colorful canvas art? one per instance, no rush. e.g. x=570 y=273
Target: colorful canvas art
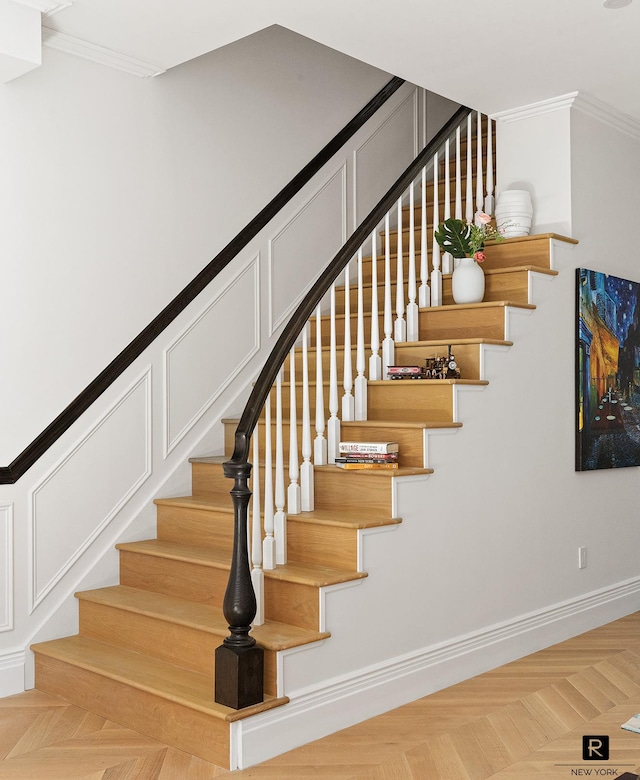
x=607 y=371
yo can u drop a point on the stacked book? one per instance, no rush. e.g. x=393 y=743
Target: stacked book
x=357 y=455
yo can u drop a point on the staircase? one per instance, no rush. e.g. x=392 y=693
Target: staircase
x=144 y=653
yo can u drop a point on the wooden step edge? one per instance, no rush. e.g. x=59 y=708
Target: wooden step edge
x=157 y=548
x=193 y=502
x=403 y=471
x=462 y=342
x=211 y=458
x=447 y=307
x=354 y=522
x=427 y=382
x=411 y=424
x=307 y=574
x=272 y=635
x=537 y=269
x=145 y=673
x=533 y=237
x=511 y=269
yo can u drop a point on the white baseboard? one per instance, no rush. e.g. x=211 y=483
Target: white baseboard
x=315 y=712
x=12 y=665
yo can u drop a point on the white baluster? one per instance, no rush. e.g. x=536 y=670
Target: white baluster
x=293 y=491
x=424 y=294
x=399 y=326
x=306 y=470
x=257 y=575
x=469 y=198
x=489 y=202
x=280 y=518
x=412 y=291
x=375 y=361
x=479 y=188
x=361 y=379
x=348 y=401
x=269 y=542
x=320 y=443
x=436 y=273
x=458 y=212
x=388 y=348
x=333 y=425
x=447 y=259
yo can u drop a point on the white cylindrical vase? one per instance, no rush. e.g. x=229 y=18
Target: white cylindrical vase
x=514 y=212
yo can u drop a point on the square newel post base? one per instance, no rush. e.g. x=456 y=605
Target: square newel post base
x=239 y=676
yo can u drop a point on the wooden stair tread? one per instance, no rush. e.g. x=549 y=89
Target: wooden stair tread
x=450 y=307
x=357 y=518
x=193 y=502
x=149 y=674
x=403 y=471
x=424 y=343
x=427 y=382
x=294 y=572
x=354 y=518
x=415 y=424
x=272 y=634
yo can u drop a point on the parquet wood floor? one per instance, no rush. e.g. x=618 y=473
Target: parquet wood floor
x=521 y=721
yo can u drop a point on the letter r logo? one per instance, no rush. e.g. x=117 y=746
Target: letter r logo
x=595 y=748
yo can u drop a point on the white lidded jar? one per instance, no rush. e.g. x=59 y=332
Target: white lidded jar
x=514 y=212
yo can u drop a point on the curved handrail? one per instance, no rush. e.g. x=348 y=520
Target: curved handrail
x=287 y=339
x=23 y=462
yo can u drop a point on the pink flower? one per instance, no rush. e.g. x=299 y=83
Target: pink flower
x=482 y=218
x=479 y=257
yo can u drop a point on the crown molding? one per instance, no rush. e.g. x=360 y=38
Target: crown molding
x=608 y=115
x=536 y=109
x=46 y=7
x=99 y=54
x=580 y=101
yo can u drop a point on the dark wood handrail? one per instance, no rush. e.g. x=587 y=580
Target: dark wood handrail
x=239 y=661
x=12 y=473
x=287 y=339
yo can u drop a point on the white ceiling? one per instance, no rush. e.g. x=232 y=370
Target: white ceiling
x=491 y=55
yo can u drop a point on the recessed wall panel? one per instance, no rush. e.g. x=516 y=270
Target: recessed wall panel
x=385 y=155
x=81 y=495
x=210 y=353
x=6 y=562
x=304 y=246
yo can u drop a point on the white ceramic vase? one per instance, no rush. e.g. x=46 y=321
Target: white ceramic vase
x=514 y=212
x=467 y=281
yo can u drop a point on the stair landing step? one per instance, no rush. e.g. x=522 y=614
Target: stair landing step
x=181 y=686
x=306 y=574
x=272 y=635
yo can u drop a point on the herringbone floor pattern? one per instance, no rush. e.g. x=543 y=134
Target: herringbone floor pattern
x=522 y=721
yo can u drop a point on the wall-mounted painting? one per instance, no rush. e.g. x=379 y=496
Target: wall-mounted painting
x=607 y=371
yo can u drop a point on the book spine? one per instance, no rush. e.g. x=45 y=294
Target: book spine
x=364 y=466
x=368 y=446
x=368 y=459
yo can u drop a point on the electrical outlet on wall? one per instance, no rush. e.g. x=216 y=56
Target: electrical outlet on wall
x=582 y=557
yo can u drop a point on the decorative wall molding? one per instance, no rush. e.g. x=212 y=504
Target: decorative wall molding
x=46 y=7
x=58 y=498
x=608 y=115
x=336 y=704
x=99 y=54
x=535 y=109
x=322 y=227
x=580 y=101
x=6 y=567
x=208 y=354
x=396 y=165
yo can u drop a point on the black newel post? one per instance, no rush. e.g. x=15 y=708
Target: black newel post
x=239 y=661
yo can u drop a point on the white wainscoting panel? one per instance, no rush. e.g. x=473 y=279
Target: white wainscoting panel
x=210 y=352
x=382 y=157
x=78 y=498
x=6 y=564
x=306 y=243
